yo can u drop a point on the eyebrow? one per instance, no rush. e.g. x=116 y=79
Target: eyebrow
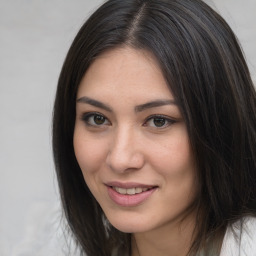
x=94 y=103
x=154 y=104
x=138 y=108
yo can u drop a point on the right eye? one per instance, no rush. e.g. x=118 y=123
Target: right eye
x=95 y=119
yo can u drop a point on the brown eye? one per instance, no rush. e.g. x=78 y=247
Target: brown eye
x=99 y=120
x=95 y=119
x=159 y=122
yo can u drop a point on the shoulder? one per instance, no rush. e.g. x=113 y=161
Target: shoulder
x=240 y=238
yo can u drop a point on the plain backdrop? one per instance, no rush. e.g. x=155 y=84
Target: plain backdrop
x=34 y=38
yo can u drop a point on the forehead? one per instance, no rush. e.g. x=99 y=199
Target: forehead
x=125 y=71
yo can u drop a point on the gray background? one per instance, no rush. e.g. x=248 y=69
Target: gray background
x=34 y=38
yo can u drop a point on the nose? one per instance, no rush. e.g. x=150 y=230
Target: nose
x=125 y=152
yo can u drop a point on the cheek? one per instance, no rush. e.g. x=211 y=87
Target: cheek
x=89 y=152
x=175 y=163
x=178 y=170
x=173 y=157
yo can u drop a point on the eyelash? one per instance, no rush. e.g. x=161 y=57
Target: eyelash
x=86 y=118
x=167 y=121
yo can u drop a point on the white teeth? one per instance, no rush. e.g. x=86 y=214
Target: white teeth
x=138 y=190
x=130 y=191
x=121 y=190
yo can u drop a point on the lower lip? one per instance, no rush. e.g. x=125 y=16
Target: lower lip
x=129 y=200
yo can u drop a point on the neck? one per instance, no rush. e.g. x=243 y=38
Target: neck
x=174 y=239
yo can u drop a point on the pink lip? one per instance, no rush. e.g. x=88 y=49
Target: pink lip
x=128 y=185
x=129 y=200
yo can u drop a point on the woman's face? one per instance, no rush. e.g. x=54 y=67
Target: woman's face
x=131 y=142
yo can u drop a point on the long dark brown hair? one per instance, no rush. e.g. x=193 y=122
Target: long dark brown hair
x=205 y=69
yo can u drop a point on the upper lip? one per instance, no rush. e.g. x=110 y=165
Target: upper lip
x=128 y=185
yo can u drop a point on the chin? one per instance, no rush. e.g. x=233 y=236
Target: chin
x=129 y=226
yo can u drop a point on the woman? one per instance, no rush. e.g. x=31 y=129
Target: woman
x=154 y=133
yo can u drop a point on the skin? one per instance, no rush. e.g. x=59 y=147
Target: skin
x=128 y=143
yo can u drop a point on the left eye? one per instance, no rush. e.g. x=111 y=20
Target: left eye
x=159 y=122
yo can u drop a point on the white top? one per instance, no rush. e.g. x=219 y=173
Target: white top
x=240 y=239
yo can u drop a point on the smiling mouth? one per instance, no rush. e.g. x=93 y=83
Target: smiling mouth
x=129 y=194
x=130 y=191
